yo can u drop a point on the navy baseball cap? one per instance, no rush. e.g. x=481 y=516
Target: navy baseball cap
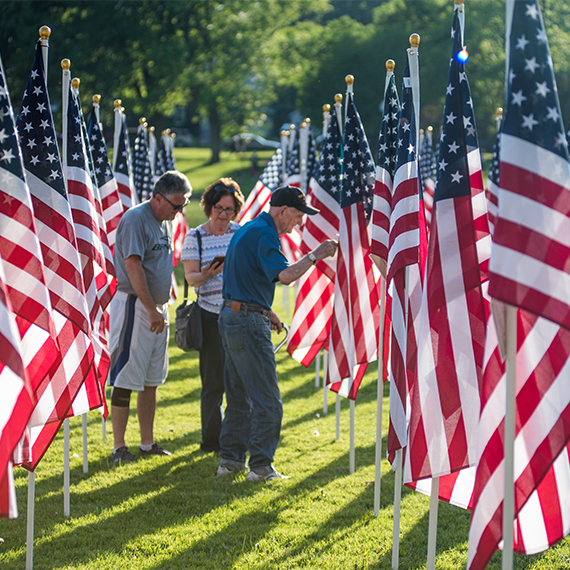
x=292 y=197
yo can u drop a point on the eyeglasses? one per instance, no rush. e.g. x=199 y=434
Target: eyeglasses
x=174 y=206
x=229 y=211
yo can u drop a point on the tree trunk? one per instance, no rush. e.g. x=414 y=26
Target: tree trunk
x=215 y=133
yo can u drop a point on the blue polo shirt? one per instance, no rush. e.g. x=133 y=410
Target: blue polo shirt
x=253 y=262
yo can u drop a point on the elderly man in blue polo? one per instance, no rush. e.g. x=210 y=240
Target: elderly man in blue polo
x=254 y=264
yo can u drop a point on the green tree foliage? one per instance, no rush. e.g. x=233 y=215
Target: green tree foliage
x=245 y=65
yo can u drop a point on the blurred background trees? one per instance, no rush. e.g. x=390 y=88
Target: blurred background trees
x=210 y=69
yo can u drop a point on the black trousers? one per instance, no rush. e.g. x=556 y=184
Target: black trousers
x=212 y=375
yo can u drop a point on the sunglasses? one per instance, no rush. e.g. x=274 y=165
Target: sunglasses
x=174 y=206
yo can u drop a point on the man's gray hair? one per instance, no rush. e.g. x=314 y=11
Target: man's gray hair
x=172 y=182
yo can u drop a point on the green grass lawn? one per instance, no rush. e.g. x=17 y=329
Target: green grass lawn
x=172 y=512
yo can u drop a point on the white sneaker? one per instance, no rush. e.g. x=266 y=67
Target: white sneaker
x=253 y=476
x=223 y=470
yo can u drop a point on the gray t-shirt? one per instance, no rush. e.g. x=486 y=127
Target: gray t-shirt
x=140 y=233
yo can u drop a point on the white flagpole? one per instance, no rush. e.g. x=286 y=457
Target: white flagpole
x=397 y=505
x=340 y=121
x=304 y=154
x=66 y=78
x=326 y=118
x=379 y=400
x=337 y=412
x=284 y=147
x=84 y=441
x=45 y=32
x=96 y=100
x=351 y=461
x=350 y=89
x=152 y=148
x=118 y=126
x=380 y=389
x=318 y=369
x=511 y=333
x=30 y=520
x=432 y=531
x=325 y=388
x=398 y=461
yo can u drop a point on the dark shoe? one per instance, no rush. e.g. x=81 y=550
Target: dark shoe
x=154 y=450
x=122 y=455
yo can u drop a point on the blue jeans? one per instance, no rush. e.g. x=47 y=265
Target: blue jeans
x=254 y=409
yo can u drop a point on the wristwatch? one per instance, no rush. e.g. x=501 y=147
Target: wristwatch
x=312 y=257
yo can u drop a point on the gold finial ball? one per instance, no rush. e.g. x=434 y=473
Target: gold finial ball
x=291 y=127
x=65 y=64
x=167 y=131
x=117 y=103
x=284 y=133
x=430 y=129
x=303 y=125
x=349 y=79
x=326 y=108
x=142 y=120
x=172 y=136
x=499 y=112
x=152 y=129
x=45 y=32
x=338 y=98
x=75 y=82
x=145 y=124
x=122 y=109
x=307 y=121
x=421 y=131
x=415 y=40
x=163 y=133
x=96 y=99
x=390 y=65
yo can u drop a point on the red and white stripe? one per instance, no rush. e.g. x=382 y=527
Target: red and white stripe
x=112 y=209
x=404 y=237
x=16 y=403
x=354 y=330
x=531 y=242
x=492 y=197
x=445 y=401
x=381 y=213
x=256 y=202
x=428 y=192
x=541 y=464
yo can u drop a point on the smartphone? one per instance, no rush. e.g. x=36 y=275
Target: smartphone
x=217 y=261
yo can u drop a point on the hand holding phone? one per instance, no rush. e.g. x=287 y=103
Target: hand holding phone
x=217 y=261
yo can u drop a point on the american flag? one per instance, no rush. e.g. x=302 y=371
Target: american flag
x=444 y=412
x=122 y=168
x=542 y=466
x=62 y=266
x=403 y=251
x=108 y=189
x=293 y=169
x=258 y=199
x=492 y=186
x=354 y=330
x=160 y=158
x=21 y=252
x=528 y=270
x=142 y=169
x=93 y=252
x=16 y=403
x=428 y=172
x=385 y=163
x=311 y=323
x=531 y=247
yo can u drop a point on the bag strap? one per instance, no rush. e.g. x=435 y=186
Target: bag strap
x=199 y=240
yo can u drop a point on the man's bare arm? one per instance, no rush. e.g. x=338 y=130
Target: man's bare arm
x=293 y=272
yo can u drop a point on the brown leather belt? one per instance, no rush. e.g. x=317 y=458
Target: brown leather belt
x=237 y=306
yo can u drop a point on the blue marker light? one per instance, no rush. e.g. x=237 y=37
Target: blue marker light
x=462 y=56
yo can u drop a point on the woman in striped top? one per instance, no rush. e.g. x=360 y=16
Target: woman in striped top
x=221 y=202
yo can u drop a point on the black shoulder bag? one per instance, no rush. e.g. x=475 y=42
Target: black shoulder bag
x=189 y=316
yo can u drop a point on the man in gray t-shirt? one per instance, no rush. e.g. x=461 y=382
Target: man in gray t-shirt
x=138 y=335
